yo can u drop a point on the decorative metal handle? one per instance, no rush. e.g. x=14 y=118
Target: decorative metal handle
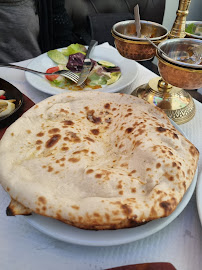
x=178 y=29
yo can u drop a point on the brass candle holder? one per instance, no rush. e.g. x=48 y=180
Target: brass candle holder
x=178 y=28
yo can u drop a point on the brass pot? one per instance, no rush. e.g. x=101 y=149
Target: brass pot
x=139 y=50
x=132 y=47
x=179 y=76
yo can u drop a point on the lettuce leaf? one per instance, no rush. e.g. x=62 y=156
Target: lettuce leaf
x=190 y=28
x=74 y=48
x=96 y=79
x=61 y=82
x=114 y=77
x=57 y=57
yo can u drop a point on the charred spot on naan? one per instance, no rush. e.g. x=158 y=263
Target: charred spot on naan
x=41 y=206
x=89 y=171
x=95 y=131
x=107 y=106
x=96 y=221
x=129 y=130
x=161 y=129
x=40 y=134
x=15 y=208
x=53 y=130
x=92 y=118
x=74 y=160
x=169 y=132
x=42 y=200
x=89 y=139
x=85 y=151
x=64 y=111
x=67 y=123
x=72 y=137
x=193 y=150
x=53 y=140
x=168 y=206
x=39 y=142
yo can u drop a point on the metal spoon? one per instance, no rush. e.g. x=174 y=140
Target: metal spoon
x=156 y=46
x=137 y=20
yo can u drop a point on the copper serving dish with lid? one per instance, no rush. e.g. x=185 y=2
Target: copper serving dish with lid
x=182 y=64
x=132 y=47
x=179 y=76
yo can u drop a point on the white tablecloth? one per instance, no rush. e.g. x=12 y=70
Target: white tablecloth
x=23 y=247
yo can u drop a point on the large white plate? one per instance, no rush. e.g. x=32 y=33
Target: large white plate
x=70 y=234
x=199 y=196
x=128 y=68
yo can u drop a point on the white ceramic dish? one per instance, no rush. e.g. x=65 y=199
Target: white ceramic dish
x=198 y=25
x=70 y=234
x=128 y=68
x=199 y=196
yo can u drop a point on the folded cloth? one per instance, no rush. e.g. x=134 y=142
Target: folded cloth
x=27 y=104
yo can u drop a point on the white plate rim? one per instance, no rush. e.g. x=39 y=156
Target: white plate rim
x=199 y=196
x=108 y=237
x=130 y=71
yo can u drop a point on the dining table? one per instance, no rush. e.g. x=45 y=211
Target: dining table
x=180 y=242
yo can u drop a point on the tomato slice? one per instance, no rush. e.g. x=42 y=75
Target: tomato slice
x=51 y=70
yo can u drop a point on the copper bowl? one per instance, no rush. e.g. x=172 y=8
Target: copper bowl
x=179 y=76
x=182 y=51
x=132 y=47
x=135 y=50
x=127 y=30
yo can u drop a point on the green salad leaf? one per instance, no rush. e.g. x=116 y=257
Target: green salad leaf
x=190 y=28
x=114 y=77
x=96 y=79
x=74 y=48
x=57 y=57
x=61 y=83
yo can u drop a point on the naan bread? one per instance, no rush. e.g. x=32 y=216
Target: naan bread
x=96 y=160
x=15 y=208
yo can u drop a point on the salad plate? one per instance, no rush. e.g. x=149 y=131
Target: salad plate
x=193 y=29
x=129 y=71
x=70 y=234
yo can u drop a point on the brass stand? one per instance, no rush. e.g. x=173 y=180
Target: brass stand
x=176 y=103
x=178 y=29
